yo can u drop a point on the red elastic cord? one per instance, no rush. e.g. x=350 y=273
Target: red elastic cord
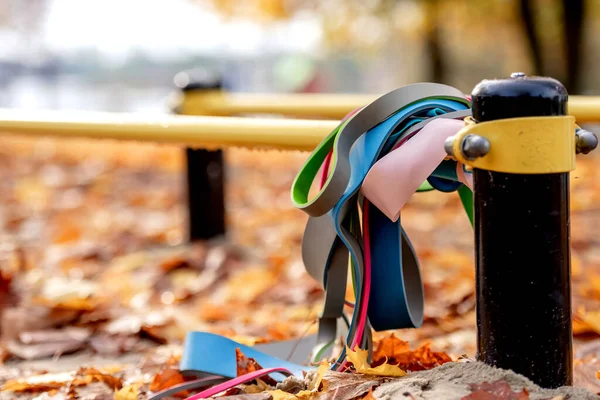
x=367 y=288
x=364 y=304
x=324 y=176
x=325 y=173
x=237 y=381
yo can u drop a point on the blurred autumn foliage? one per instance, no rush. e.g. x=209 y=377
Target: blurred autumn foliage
x=93 y=262
x=94 y=268
x=444 y=40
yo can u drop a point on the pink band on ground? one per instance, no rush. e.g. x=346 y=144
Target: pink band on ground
x=237 y=381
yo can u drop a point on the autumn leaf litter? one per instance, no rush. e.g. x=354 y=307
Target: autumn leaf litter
x=81 y=272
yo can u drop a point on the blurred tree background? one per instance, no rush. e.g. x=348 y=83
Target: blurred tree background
x=81 y=222
x=461 y=41
x=124 y=54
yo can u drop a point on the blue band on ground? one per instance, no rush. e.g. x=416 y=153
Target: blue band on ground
x=208 y=353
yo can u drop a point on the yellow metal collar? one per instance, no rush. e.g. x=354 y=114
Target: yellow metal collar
x=527 y=145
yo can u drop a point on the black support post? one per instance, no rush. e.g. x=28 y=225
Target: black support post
x=205 y=171
x=522 y=246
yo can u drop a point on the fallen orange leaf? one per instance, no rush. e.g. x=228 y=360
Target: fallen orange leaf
x=173 y=263
x=75 y=304
x=245 y=365
x=390 y=347
x=247 y=284
x=395 y=351
x=47 y=382
x=86 y=376
x=280 y=331
x=67 y=233
x=580 y=327
x=212 y=313
x=166 y=378
x=591 y=319
x=37 y=383
x=591 y=288
x=369 y=396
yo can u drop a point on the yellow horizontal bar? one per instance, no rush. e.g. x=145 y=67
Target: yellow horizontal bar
x=585 y=109
x=321 y=105
x=215 y=131
x=313 y=105
x=193 y=131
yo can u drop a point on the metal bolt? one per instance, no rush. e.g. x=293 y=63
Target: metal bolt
x=515 y=75
x=475 y=146
x=585 y=141
x=448 y=146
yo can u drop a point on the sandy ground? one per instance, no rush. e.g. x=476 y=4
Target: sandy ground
x=453 y=381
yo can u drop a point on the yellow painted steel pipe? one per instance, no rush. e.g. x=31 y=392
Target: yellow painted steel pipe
x=193 y=131
x=208 y=132
x=585 y=109
x=321 y=105
x=304 y=105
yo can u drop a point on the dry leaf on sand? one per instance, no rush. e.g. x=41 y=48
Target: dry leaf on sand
x=358 y=358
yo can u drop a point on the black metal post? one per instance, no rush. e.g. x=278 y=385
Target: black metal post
x=205 y=171
x=522 y=248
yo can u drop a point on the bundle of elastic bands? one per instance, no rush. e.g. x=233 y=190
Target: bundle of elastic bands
x=369 y=167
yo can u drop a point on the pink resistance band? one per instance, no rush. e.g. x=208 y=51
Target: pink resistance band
x=237 y=381
x=410 y=164
x=466 y=178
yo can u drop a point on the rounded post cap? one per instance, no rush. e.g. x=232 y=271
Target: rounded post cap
x=520 y=85
x=518 y=96
x=198 y=79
